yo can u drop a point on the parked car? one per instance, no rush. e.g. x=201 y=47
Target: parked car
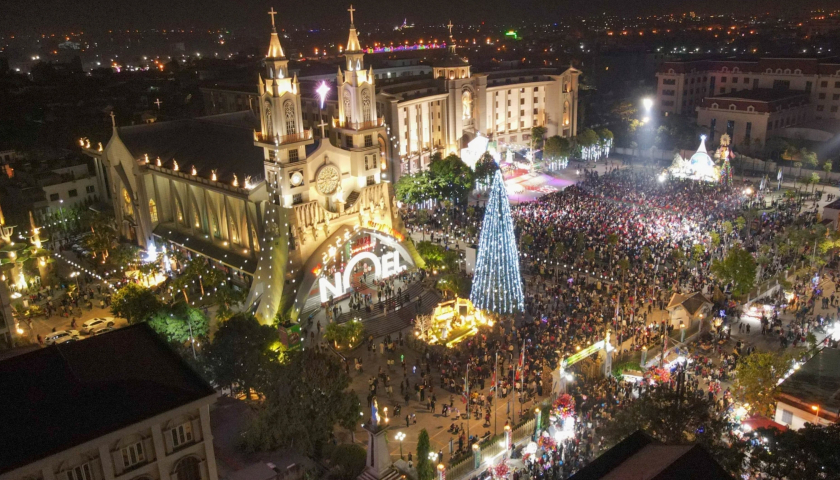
x=101 y=330
x=61 y=336
x=94 y=323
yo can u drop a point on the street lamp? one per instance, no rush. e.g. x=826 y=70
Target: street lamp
x=644 y=355
x=400 y=436
x=816 y=408
x=647 y=102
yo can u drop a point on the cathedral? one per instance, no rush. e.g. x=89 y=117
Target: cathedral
x=288 y=194
x=258 y=195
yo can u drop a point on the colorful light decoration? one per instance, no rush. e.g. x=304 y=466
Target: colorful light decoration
x=497 y=284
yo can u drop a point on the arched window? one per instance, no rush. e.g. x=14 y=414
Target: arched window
x=750 y=108
x=153 y=211
x=269 y=125
x=189 y=468
x=566 y=114
x=234 y=232
x=214 y=225
x=289 y=112
x=714 y=106
x=366 y=105
x=128 y=209
x=467 y=103
x=346 y=102
x=179 y=211
x=732 y=106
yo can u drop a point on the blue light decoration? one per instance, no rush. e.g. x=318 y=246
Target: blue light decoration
x=497 y=283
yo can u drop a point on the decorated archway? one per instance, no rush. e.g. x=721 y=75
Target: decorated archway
x=390 y=262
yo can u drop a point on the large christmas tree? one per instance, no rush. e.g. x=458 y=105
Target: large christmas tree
x=497 y=284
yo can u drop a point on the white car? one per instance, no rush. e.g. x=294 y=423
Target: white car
x=101 y=330
x=61 y=336
x=96 y=323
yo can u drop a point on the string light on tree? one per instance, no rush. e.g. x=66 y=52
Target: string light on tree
x=497 y=283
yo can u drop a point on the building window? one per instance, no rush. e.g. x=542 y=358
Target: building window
x=53 y=197
x=82 y=472
x=181 y=435
x=90 y=189
x=127 y=208
x=522 y=101
x=297 y=198
x=536 y=110
x=73 y=193
x=822 y=96
x=834 y=109
x=293 y=155
x=748 y=131
x=730 y=128
x=289 y=112
x=808 y=86
x=368 y=140
x=722 y=79
x=153 y=211
x=781 y=84
x=787 y=417
x=371 y=180
x=824 y=84
x=836 y=84
x=836 y=96
x=133 y=455
x=188 y=468
x=820 y=108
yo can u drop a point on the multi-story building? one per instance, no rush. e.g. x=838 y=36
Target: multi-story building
x=68 y=187
x=118 y=406
x=750 y=116
x=682 y=85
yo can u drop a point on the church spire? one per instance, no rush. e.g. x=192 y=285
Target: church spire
x=353 y=44
x=274 y=48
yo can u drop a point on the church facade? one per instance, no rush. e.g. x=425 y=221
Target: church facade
x=258 y=195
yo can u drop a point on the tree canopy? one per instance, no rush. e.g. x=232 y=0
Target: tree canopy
x=134 y=303
x=805 y=454
x=242 y=352
x=738 y=267
x=180 y=323
x=756 y=378
x=304 y=399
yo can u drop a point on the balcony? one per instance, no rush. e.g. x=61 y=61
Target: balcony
x=277 y=140
x=339 y=123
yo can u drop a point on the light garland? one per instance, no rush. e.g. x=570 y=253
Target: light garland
x=497 y=283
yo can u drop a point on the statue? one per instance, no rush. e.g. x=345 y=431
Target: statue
x=374 y=414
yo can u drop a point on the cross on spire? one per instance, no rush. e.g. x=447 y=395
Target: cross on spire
x=450 y=28
x=272 y=13
x=351 y=10
x=113 y=120
x=158 y=103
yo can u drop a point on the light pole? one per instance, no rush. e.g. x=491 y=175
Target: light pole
x=816 y=408
x=644 y=355
x=400 y=436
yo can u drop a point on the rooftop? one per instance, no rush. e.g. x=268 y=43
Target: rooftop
x=224 y=143
x=61 y=396
x=817 y=382
x=692 y=302
x=640 y=457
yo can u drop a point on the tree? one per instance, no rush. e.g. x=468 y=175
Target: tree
x=452 y=178
x=537 y=136
x=485 y=167
x=347 y=333
x=134 y=303
x=241 y=353
x=738 y=267
x=805 y=454
x=425 y=469
x=414 y=188
x=557 y=147
x=348 y=462
x=827 y=169
x=180 y=323
x=304 y=399
x=756 y=379
x=497 y=282
x=814 y=179
x=677 y=418
x=224 y=298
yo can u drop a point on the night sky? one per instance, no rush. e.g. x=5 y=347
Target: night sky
x=41 y=15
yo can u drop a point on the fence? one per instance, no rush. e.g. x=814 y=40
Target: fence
x=493 y=447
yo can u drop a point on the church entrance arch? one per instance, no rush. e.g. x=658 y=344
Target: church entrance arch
x=392 y=259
